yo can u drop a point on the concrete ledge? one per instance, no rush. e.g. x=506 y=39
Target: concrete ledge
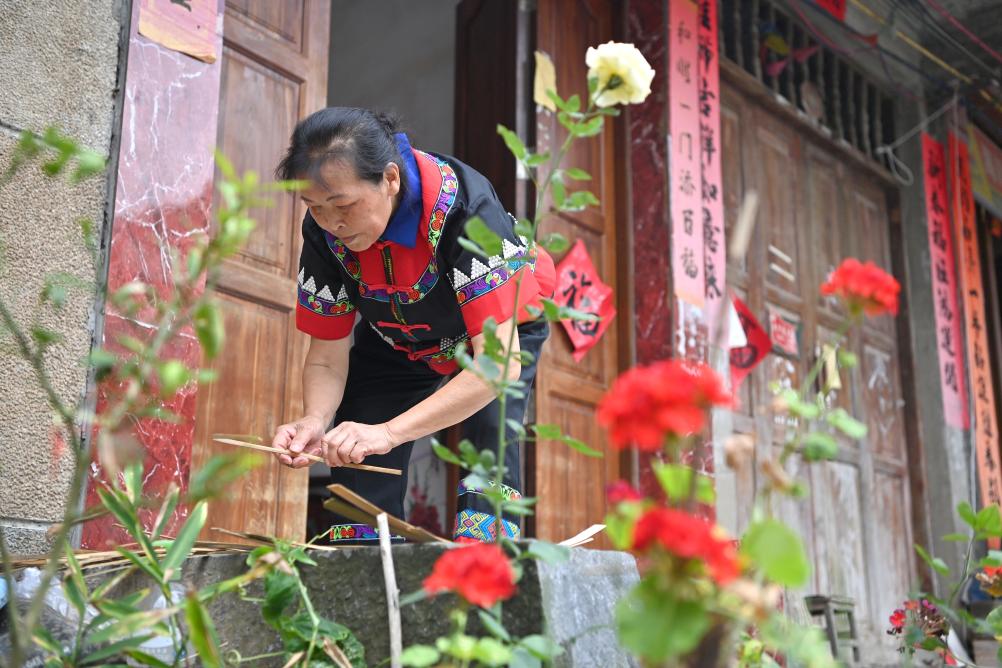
x=572 y=601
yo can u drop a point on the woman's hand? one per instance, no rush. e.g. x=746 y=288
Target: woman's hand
x=351 y=442
x=303 y=435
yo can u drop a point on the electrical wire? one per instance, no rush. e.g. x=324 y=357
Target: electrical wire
x=930 y=24
x=962 y=28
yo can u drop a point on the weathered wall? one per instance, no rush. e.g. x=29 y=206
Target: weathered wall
x=60 y=67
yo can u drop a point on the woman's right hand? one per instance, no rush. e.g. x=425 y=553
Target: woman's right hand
x=303 y=435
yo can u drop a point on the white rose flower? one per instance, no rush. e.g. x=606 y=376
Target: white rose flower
x=624 y=75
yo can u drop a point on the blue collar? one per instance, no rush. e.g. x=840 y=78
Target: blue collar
x=403 y=226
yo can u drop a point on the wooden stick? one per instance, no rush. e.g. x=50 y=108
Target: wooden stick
x=392 y=593
x=314 y=458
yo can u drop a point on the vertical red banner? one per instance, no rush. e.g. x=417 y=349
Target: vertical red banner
x=686 y=177
x=714 y=245
x=944 y=285
x=986 y=439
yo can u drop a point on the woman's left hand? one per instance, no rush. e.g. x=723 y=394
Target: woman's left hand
x=351 y=442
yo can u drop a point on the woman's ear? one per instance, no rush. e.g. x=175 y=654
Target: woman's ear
x=391 y=176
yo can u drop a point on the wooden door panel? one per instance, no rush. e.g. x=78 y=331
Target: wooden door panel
x=274 y=72
x=835 y=496
x=778 y=184
x=245 y=399
x=567 y=391
x=246 y=83
x=894 y=534
x=282 y=21
x=732 y=175
x=885 y=421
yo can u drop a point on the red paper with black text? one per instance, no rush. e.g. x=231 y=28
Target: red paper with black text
x=579 y=287
x=750 y=355
x=834 y=7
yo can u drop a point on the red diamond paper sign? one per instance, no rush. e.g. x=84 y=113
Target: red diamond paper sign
x=579 y=287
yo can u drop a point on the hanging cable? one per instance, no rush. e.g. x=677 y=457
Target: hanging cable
x=928 y=23
x=962 y=28
x=899 y=169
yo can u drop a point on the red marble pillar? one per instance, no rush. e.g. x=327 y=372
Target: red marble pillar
x=162 y=202
x=647 y=26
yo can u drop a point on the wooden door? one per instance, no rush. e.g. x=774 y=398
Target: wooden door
x=570 y=486
x=274 y=72
x=816 y=209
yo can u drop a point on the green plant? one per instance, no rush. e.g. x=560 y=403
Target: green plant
x=308 y=638
x=136 y=382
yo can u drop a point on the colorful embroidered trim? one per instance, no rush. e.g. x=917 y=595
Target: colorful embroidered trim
x=322 y=301
x=509 y=493
x=352 y=532
x=482 y=526
x=483 y=278
x=436 y=221
x=445 y=352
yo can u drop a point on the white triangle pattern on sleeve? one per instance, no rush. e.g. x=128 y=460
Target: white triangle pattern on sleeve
x=496 y=261
x=302 y=275
x=477 y=269
x=342 y=295
x=509 y=249
x=325 y=294
x=459 y=279
x=310 y=286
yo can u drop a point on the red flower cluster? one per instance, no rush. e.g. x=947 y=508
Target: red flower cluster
x=666 y=399
x=479 y=573
x=621 y=491
x=865 y=288
x=898 y=618
x=687 y=537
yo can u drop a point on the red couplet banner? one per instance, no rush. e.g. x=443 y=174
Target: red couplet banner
x=944 y=285
x=714 y=245
x=986 y=438
x=686 y=177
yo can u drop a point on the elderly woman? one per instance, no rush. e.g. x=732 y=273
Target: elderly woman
x=380 y=240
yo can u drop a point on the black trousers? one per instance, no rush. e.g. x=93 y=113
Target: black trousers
x=383 y=383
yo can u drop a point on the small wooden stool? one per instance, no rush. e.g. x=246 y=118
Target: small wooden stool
x=839 y=624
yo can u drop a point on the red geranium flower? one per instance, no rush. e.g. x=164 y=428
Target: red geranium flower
x=865 y=288
x=898 y=619
x=478 y=573
x=669 y=398
x=687 y=537
x=621 y=491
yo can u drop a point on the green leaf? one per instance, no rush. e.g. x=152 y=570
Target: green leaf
x=775 y=549
x=542 y=647
x=522 y=658
x=988 y=522
x=578 y=174
x=445 y=454
x=45 y=337
x=656 y=626
x=493 y=626
x=955 y=538
x=491 y=652
x=846 y=359
x=967 y=514
x=145 y=621
x=202 y=632
x=133 y=477
x=588 y=128
x=280 y=590
x=212 y=479
x=550 y=553
x=547 y=431
x=517 y=427
x=820 y=446
x=555 y=242
x=513 y=142
x=484 y=237
x=676 y=480
x=116 y=648
x=537 y=159
x=171 y=499
x=846 y=424
x=994 y=620
x=208 y=323
x=579 y=201
x=559 y=191
x=186 y=537
x=935 y=563
x=173 y=375
x=74 y=584
x=419 y=656
x=581 y=446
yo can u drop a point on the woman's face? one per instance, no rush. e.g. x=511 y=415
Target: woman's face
x=353 y=210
